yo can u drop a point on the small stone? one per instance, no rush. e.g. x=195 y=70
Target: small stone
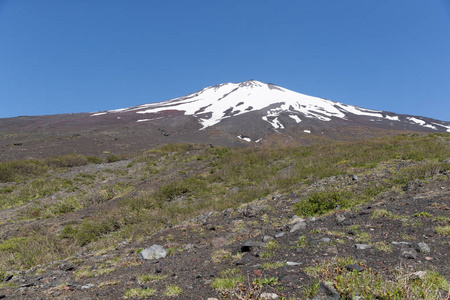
x=279 y=235
x=251 y=211
x=153 y=252
x=312 y=219
x=212 y=299
x=400 y=243
x=210 y=227
x=340 y=218
x=326 y=292
x=189 y=247
x=8 y=278
x=362 y=246
x=325 y=240
x=409 y=253
x=418 y=275
x=268 y=296
x=68 y=266
x=428 y=258
x=296 y=219
x=267 y=238
x=253 y=247
x=424 y=247
x=298 y=226
x=354 y=267
x=87 y=286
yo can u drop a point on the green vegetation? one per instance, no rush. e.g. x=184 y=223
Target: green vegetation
x=272 y=265
x=302 y=242
x=321 y=202
x=444 y=230
x=404 y=284
x=261 y=282
x=269 y=249
x=222 y=255
x=229 y=279
x=146 y=278
x=140 y=293
x=422 y=214
x=172 y=290
x=147 y=192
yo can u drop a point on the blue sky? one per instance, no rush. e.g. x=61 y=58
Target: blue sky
x=84 y=56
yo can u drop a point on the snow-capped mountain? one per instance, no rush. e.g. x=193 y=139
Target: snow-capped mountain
x=229 y=114
x=214 y=104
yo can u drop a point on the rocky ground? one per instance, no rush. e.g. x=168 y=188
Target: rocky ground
x=262 y=250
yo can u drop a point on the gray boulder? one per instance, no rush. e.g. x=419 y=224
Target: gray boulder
x=362 y=246
x=153 y=252
x=298 y=226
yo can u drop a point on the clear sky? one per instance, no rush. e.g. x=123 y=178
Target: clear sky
x=83 y=56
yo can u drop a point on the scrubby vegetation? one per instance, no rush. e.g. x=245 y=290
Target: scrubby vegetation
x=174 y=183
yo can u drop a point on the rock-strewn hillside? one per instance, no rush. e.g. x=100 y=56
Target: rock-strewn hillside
x=370 y=230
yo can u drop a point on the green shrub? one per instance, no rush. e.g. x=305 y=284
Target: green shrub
x=20 y=170
x=67 y=161
x=90 y=230
x=113 y=158
x=94 y=160
x=38 y=188
x=421 y=170
x=140 y=293
x=228 y=280
x=322 y=202
x=26 y=252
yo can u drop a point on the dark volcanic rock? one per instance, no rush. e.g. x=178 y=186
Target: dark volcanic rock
x=326 y=293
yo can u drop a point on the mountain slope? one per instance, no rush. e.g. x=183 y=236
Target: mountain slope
x=229 y=114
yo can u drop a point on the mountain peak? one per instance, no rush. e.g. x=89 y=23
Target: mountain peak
x=274 y=105
x=252 y=83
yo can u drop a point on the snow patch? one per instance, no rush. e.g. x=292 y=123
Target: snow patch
x=392 y=118
x=274 y=122
x=296 y=118
x=430 y=126
x=447 y=127
x=118 y=110
x=417 y=121
x=244 y=138
x=98 y=114
x=360 y=111
x=146 y=120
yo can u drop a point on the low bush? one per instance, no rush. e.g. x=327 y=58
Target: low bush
x=322 y=202
x=26 y=252
x=67 y=161
x=90 y=230
x=94 y=160
x=20 y=170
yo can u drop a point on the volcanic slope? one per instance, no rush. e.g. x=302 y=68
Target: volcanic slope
x=229 y=114
x=367 y=218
